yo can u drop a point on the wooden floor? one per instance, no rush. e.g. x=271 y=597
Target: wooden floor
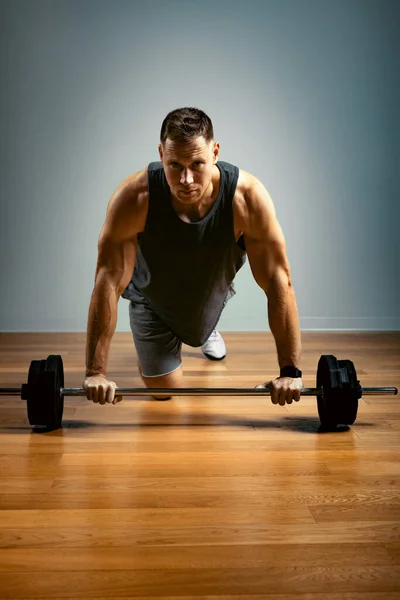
x=201 y=497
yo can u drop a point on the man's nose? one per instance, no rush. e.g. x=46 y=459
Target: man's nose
x=186 y=177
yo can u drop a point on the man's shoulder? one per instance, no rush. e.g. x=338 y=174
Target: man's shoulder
x=245 y=183
x=129 y=202
x=135 y=184
x=251 y=198
x=247 y=180
x=251 y=187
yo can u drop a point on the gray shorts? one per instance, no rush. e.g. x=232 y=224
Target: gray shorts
x=157 y=347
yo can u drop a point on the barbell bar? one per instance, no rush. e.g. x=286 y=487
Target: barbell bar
x=338 y=391
x=369 y=391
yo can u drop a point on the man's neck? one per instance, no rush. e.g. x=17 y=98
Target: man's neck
x=198 y=210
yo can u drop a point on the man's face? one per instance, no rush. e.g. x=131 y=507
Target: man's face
x=188 y=167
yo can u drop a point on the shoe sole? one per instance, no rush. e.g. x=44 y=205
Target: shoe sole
x=213 y=357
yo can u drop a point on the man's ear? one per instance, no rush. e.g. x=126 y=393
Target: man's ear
x=160 y=151
x=216 y=152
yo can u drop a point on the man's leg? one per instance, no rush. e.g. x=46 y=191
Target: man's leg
x=214 y=347
x=157 y=347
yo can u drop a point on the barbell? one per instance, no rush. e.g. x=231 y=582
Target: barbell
x=338 y=391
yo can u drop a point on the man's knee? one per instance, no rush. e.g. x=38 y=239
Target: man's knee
x=170 y=380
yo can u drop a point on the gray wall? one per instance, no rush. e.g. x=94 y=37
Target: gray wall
x=304 y=94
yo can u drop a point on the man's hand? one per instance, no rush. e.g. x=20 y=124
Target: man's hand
x=284 y=389
x=101 y=390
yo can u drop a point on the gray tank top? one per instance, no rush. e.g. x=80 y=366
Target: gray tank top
x=185 y=270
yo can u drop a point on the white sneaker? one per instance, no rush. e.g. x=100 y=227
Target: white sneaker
x=214 y=348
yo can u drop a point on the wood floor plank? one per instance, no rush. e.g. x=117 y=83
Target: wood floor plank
x=112 y=536
x=278 y=580
x=363 y=512
x=110 y=494
x=25 y=485
x=143 y=516
x=194 y=557
x=362 y=505
x=241 y=444
x=296 y=596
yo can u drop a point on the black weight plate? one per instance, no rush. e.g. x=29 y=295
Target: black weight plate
x=33 y=394
x=55 y=401
x=349 y=393
x=328 y=378
x=45 y=403
x=339 y=403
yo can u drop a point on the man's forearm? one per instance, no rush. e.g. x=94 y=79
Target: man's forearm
x=284 y=323
x=102 y=322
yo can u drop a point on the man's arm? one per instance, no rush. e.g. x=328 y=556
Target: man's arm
x=266 y=250
x=117 y=247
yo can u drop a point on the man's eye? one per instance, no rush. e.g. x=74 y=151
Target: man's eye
x=176 y=165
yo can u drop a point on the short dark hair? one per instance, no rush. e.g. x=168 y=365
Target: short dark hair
x=186 y=124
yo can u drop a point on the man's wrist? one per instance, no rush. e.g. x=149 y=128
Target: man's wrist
x=290 y=371
x=94 y=373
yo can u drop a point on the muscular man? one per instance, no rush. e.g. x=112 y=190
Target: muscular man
x=175 y=235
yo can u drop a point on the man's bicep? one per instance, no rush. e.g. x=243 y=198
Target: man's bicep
x=117 y=244
x=125 y=218
x=116 y=261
